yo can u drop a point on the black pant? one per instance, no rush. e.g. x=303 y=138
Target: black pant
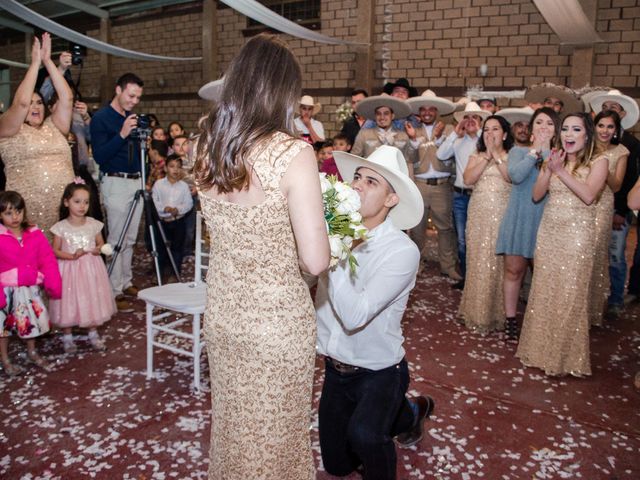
x=359 y=415
x=175 y=233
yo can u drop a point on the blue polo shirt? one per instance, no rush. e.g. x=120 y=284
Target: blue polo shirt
x=110 y=150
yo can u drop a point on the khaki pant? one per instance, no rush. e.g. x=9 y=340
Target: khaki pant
x=438 y=201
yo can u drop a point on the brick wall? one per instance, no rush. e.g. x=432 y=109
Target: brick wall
x=437 y=44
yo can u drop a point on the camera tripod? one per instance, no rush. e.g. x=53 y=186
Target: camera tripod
x=152 y=219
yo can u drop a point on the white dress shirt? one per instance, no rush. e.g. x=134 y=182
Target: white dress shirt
x=167 y=194
x=461 y=148
x=359 y=316
x=302 y=128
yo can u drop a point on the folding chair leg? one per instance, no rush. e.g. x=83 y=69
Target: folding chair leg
x=150 y=335
x=196 y=352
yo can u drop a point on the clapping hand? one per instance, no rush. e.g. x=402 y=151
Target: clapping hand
x=35 y=52
x=45 y=50
x=556 y=160
x=460 y=128
x=438 y=129
x=411 y=132
x=542 y=140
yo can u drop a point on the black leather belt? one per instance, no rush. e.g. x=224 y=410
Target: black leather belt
x=132 y=176
x=344 y=367
x=463 y=191
x=433 y=181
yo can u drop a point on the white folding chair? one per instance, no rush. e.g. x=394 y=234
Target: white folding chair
x=184 y=302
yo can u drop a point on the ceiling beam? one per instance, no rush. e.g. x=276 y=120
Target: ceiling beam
x=20 y=27
x=86 y=7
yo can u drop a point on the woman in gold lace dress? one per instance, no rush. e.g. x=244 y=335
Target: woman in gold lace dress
x=555 y=332
x=34 y=149
x=482 y=304
x=608 y=134
x=262 y=203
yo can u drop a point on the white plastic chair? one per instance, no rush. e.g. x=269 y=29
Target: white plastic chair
x=185 y=302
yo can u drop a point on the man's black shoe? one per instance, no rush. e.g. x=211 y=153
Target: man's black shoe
x=415 y=433
x=458 y=285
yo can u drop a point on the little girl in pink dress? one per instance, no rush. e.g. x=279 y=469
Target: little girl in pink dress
x=87 y=300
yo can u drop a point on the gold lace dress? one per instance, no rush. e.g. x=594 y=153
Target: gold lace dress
x=260 y=331
x=604 y=216
x=555 y=331
x=482 y=304
x=37 y=162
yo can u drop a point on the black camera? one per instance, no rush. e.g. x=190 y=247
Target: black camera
x=77 y=54
x=143 y=130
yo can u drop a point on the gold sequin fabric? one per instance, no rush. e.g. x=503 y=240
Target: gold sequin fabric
x=555 y=331
x=482 y=304
x=38 y=166
x=604 y=217
x=260 y=331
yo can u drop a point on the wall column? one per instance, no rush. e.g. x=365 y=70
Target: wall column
x=209 y=41
x=582 y=57
x=365 y=61
x=107 y=89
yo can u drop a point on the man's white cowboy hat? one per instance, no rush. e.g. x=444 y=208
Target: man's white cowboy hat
x=211 y=91
x=628 y=104
x=588 y=96
x=307 y=100
x=390 y=163
x=367 y=108
x=429 y=99
x=570 y=102
x=471 y=108
x=515 y=115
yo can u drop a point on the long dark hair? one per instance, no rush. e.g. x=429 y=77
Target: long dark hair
x=507 y=143
x=262 y=86
x=615 y=140
x=585 y=155
x=69 y=190
x=14 y=199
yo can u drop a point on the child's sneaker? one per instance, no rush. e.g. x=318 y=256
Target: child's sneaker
x=69 y=346
x=97 y=343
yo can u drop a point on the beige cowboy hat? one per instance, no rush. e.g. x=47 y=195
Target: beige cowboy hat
x=211 y=91
x=307 y=100
x=429 y=99
x=390 y=163
x=628 y=104
x=471 y=108
x=515 y=115
x=538 y=93
x=367 y=108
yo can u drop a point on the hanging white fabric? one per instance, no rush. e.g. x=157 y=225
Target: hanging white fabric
x=262 y=14
x=47 y=25
x=567 y=19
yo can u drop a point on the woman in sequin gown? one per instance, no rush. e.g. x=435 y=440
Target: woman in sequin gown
x=555 y=332
x=482 y=305
x=608 y=133
x=34 y=149
x=262 y=203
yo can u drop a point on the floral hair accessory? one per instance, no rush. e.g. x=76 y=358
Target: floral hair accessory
x=79 y=181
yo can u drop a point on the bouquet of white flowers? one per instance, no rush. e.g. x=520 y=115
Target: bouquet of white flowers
x=344 y=222
x=344 y=112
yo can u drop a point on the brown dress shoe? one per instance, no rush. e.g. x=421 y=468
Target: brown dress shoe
x=124 y=306
x=131 y=290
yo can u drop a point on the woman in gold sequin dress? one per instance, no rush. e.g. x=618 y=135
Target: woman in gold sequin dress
x=608 y=134
x=34 y=149
x=262 y=202
x=482 y=305
x=555 y=332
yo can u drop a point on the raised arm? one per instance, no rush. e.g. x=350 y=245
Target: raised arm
x=588 y=190
x=13 y=118
x=633 y=200
x=541 y=187
x=61 y=115
x=614 y=180
x=301 y=186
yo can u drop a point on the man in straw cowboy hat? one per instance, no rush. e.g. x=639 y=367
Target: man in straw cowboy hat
x=308 y=127
x=433 y=177
x=460 y=144
x=382 y=109
x=627 y=108
x=559 y=98
x=363 y=405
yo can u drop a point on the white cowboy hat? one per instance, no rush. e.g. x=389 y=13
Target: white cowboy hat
x=515 y=115
x=538 y=93
x=211 y=91
x=628 y=104
x=429 y=99
x=590 y=95
x=471 y=108
x=307 y=100
x=367 y=108
x=390 y=163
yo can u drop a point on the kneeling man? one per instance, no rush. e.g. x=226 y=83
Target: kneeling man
x=363 y=404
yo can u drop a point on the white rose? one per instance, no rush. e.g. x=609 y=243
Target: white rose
x=335 y=243
x=355 y=217
x=359 y=231
x=106 y=250
x=347 y=241
x=325 y=184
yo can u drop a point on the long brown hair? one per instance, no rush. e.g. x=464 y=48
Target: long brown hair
x=261 y=88
x=584 y=156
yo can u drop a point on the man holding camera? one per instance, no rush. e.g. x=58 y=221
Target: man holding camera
x=119 y=160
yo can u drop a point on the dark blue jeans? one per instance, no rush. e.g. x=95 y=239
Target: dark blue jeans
x=359 y=415
x=175 y=233
x=460 y=207
x=618 y=263
x=634 y=273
